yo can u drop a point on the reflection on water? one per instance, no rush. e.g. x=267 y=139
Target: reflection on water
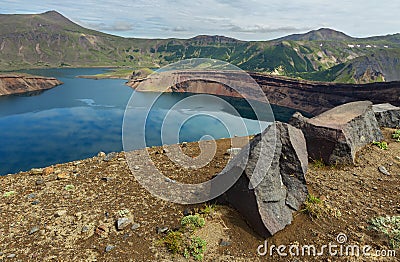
x=84 y=116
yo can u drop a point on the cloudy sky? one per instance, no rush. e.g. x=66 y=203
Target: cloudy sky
x=242 y=19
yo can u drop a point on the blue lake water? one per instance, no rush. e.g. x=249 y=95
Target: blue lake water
x=84 y=116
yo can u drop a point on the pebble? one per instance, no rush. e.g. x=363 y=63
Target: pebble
x=184 y=144
x=383 y=170
x=165 y=150
x=30 y=196
x=85 y=229
x=167 y=179
x=33 y=230
x=36 y=202
x=224 y=243
x=186 y=212
x=39 y=182
x=106 y=179
x=135 y=226
x=161 y=230
x=60 y=213
x=48 y=170
x=102 y=230
x=109 y=157
x=123 y=223
x=375 y=188
x=233 y=151
x=62 y=176
x=101 y=154
x=109 y=248
x=11 y=256
x=136 y=167
x=121 y=159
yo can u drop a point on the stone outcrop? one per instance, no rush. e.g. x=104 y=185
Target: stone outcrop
x=306 y=96
x=336 y=135
x=19 y=84
x=387 y=115
x=268 y=204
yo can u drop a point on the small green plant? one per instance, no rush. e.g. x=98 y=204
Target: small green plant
x=317 y=208
x=208 y=209
x=183 y=242
x=174 y=241
x=382 y=145
x=396 y=135
x=123 y=212
x=196 y=248
x=69 y=187
x=318 y=163
x=193 y=221
x=9 y=193
x=390 y=227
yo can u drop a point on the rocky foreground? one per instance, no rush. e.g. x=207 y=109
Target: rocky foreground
x=11 y=84
x=73 y=211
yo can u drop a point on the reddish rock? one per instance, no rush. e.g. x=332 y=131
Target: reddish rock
x=48 y=171
x=19 y=84
x=306 y=96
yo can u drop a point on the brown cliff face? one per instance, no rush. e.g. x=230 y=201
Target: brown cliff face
x=20 y=84
x=306 y=96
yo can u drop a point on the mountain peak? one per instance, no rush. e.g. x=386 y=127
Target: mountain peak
x=322 y=34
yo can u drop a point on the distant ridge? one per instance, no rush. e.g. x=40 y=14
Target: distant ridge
x=52 y=40
x=322 y=34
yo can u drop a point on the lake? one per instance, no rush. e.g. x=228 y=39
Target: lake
x=84 y=116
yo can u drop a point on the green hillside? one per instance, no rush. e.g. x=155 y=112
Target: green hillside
x=52 y=40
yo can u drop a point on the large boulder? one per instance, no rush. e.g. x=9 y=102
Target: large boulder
x=336 y=135
x=272 y=185
x=387 y=115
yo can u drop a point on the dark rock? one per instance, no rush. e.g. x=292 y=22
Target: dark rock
x=123 y=223
x=268 y=205
x=162 y=229
x=36 y=202
x=186 y=212
x=387 y=115
x=34 y=230
x=109 y=248
x=383 y=170
x=336 y=135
